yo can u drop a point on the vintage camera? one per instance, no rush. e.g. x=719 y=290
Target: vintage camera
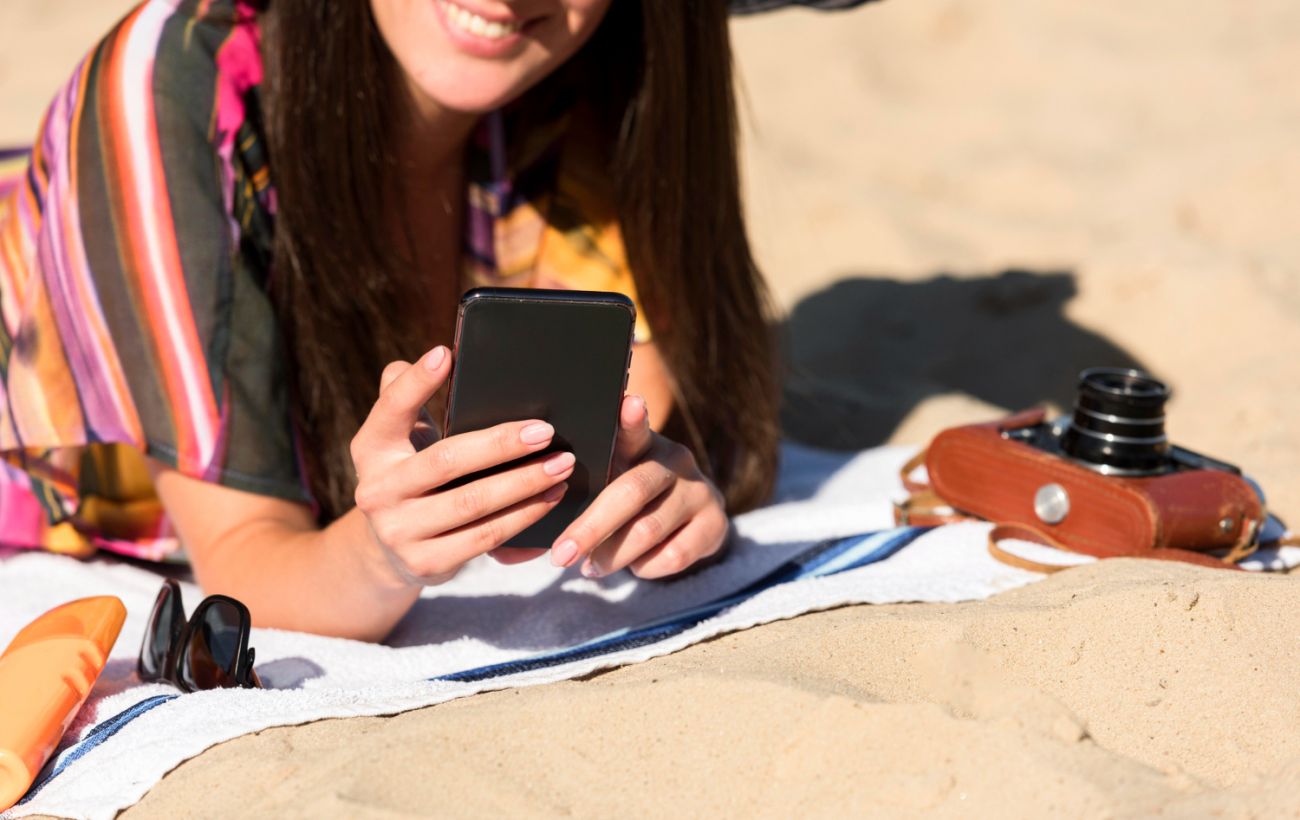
x=1104 y=481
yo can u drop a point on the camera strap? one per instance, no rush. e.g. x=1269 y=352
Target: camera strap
x=923 y=507
x=1020 y=532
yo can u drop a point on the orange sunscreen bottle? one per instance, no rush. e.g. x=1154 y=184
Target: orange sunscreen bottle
x=45 y=676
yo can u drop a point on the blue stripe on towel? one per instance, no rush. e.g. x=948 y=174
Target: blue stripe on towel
x=826 y=558
x=823 y=559
x=96 y=736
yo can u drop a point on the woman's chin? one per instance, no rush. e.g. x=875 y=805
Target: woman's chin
x=473 y=96
x=483 y=104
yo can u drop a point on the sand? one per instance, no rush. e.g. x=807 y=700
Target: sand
x=1116 y=689
x=960 y=204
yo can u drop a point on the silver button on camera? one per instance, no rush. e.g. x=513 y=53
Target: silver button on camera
x=1051 y=503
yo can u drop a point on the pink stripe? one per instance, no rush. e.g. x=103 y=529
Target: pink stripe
x=8 y=436
x=154 y=549
x=239 y=68
x=21 y=515
x=146 y=198
x=73 y=298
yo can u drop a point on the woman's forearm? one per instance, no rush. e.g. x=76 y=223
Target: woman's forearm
x=330 y=581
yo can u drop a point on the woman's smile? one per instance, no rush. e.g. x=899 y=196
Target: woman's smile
x=474 y=56
x=481 y=34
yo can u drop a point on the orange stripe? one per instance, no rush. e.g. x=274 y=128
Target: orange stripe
x=43 y=399
x=75 y=253
x=12 y=267
x=22 y=248
x=50 y=390
x=191 y=351
x=134 y=246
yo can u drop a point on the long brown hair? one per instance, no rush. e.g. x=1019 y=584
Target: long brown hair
x=664 y=98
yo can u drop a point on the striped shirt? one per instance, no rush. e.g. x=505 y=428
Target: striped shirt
x=135 y=245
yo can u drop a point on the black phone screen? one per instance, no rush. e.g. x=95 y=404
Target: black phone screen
x=559 y=356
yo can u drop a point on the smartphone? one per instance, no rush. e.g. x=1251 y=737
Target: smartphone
x=562 y=356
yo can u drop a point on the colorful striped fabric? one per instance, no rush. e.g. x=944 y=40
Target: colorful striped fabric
x=135 y=245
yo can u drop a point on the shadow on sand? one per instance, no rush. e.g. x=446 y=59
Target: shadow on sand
x=864 y=352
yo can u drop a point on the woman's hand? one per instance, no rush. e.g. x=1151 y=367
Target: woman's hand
x=658 y=515
x=426 y=529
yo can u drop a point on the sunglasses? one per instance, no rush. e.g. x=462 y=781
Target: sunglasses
x=209 y=651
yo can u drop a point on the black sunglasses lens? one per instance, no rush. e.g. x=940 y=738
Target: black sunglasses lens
x=161 y=633
x=212 y=651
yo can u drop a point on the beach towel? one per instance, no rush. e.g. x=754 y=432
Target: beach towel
x=826 y=540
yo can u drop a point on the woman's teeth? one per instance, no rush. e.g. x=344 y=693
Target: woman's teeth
x=468 y=21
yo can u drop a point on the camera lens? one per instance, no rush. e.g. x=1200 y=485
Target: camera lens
x=1119 y=422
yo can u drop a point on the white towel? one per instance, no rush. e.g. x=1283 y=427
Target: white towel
x=495 y=627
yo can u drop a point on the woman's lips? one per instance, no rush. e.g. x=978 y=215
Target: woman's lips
x=478 y=35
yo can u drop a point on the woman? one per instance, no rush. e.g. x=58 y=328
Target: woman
x=230 y=272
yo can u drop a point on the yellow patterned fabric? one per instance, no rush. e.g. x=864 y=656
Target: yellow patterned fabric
x=540 y=215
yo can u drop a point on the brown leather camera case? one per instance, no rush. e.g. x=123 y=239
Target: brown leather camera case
x=978 y=471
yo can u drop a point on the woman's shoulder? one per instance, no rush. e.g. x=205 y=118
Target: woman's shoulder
x=179 y=31
x=186 y=56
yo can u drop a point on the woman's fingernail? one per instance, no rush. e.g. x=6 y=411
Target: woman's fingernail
x=638 y=403
x=555 y=493
x=590 y=570
x=558 y=463
x=564 y=552
x=435 y=358
x=536 y=433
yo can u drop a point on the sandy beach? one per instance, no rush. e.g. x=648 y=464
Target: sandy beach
x=959 y=205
